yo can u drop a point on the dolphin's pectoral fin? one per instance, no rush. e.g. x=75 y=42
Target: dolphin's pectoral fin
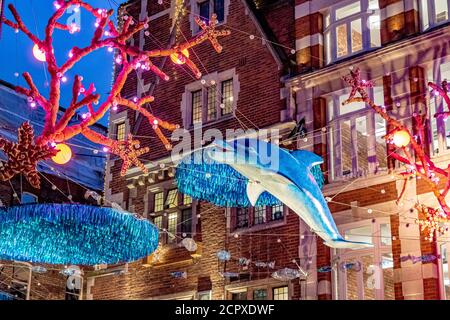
x=254 y=190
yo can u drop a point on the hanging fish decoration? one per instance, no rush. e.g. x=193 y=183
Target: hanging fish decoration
x=415 y=259
x=325 y=269
x=355 y=266
x=38 y=269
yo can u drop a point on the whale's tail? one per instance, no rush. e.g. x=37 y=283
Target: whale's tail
x=344 y=244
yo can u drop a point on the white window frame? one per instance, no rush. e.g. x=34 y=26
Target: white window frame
x=35 y=197
x=377 y=251
x=330 y=30
x=335 y=138
x=217 y=79
x=432 y=21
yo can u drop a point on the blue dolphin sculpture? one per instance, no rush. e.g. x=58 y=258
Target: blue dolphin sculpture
x=285 y=175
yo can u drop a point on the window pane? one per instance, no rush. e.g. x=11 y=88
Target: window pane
x=434 y=127
x=357 y=40
x=281 y=293
x=120 y=131
x=380 y=142
x=227 y=96
x=242 y=218
x=386 y=236
x=197 y=106
x=370 y=279
x=328 y=56
x=260 y=294
x=219 y=9
x=260 y=215
x=387 y=264
x=186 y=221
x=277 y=212
x=172 y=226
x=159 y=202
x=212 y=101
x=187 y=199
x=445 y=274
x=373 y=5
x=361 y=234
x=204 y=296
x=204 y=10
x=239 y=296
x=348 y=10
x=332 y=151
x=374 y=26
x=172 y=198
x=441 y=10
x=362 y=139
x=158 y=222
x=424 y=15
x=341 y=40
x=346 y=148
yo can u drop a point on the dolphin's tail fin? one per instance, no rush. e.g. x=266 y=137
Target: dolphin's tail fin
x=344 y=244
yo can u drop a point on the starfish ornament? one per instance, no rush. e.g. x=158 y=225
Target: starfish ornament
x=209 y=31
x=357 y=85
x=24 y=155
x=130 y=152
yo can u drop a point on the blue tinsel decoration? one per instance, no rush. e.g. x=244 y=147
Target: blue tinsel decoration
x=74 y=234
x=207 y=180
x=5 y=296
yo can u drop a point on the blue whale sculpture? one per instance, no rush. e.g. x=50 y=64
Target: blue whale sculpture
x=284 y=174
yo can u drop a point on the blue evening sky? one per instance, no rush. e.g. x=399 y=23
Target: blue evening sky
x=16 y=49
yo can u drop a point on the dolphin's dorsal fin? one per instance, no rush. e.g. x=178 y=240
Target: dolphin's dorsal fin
x=308 y=158
x=254 y=190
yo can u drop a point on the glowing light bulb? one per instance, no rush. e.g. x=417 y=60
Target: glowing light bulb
x=401 y=138
x=64 y=79
x=180 y=58
x=39 y=54
x=64 y=155
x=105 y=149
x=33 y=104
x=110 y=49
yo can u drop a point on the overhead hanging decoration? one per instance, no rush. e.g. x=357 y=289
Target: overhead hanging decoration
x=286 y=274
x=74 y=235
x=249 y=172
x=5 y=296
x=129 y=58
x=412 y=148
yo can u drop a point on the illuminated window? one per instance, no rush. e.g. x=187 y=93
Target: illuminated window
x=159 y=202
x=197 y=107
x=227 y=96
x=277 y=212
x=260 y=215
x=187 y=199
x=433 y=12
x=172 y=226
x=281 y=293
x=212 y=103
x=28 y=198
x=158 y=222
x=352 y=28
x=206 y=8
x=242 y=217
x=172 y=198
